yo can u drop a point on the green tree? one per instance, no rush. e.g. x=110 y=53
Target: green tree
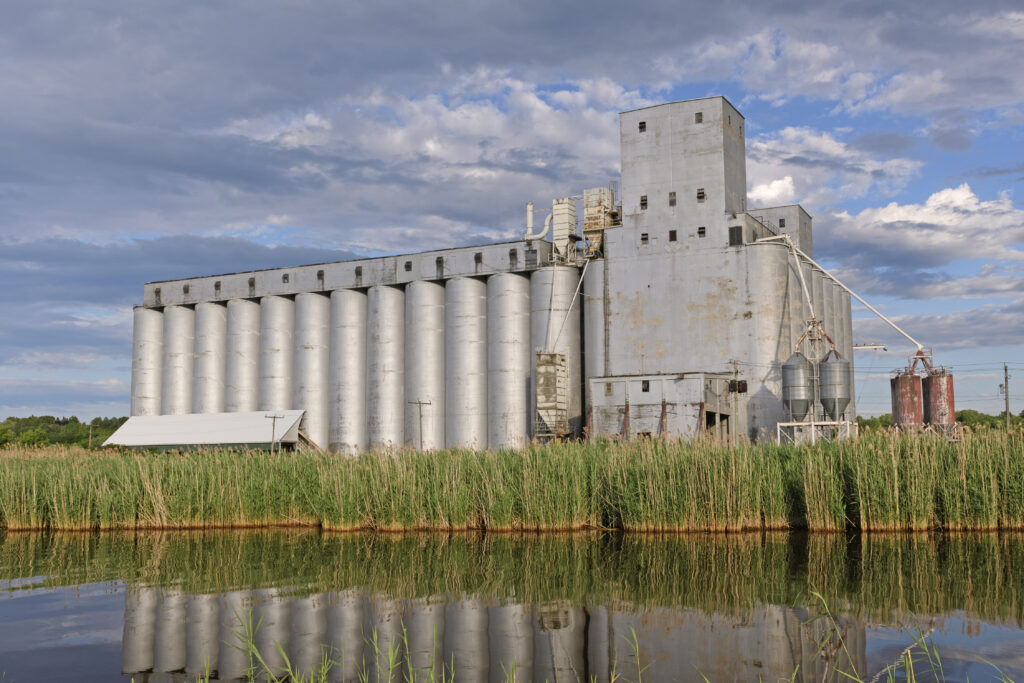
x=36 y=436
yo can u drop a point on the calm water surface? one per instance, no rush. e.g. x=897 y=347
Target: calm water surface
x=165 y=606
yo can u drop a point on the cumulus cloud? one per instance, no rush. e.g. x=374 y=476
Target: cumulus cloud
x=986 y=326
x=817 y=168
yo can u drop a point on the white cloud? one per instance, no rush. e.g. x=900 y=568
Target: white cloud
x=775 y=192
x=820 y=168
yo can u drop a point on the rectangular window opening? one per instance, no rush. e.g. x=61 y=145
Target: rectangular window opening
x=608 y=388
x=643 y=202
x=320 y=278
x=359 y=275
x=284 y=278
x=252 y=286
x=439 y=265
x=735 y=236
x=701 y=195
x=216 y=288
x=644 y=238
x=645 y=385
x=642 y=127
x=782 y=222
x=408 y=266
x=698 y=117
x=671 y=198
x=184 y=290
x=156 y=296
x=671 y=235
x=513 y=258
x=702 y=231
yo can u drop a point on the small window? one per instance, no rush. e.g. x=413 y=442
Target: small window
x=320 y=278
x=252 y=286
x=730 y=119
x=671 y=235
x=513 y=258
x=643 y=127
x=701 y=196
x=359 y=275
x=644 y=239
x=184 y=290
x=735 y=236
x=439 y=265
x=702 y=231
x=216 y=288
x=608 y=388
x=698 y=117
x=782 y=222
x=643 y=202
x=408 y=266
x=156 y=296
x=645 y=385
x=671 y=198
x=284 y=278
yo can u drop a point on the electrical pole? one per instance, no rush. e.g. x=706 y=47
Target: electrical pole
x=420 y=405
x=1006 y=391
x=273 y=430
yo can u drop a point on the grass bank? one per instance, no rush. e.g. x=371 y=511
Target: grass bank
x=877 y=483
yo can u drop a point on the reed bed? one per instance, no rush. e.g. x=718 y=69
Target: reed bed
x=876 y=483
x=886 y=578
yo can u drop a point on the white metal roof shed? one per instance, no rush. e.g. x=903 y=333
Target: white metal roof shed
x=209 y=429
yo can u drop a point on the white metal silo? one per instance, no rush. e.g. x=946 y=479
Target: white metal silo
x=202 y=647
x=424 y=365
x=147 y=360
x=424 y=623
x=510 y=642
x=308 y=639
x=555 y=328
x=465 y=640
x=465 y=363
x=169 y=637
x=179 y=336
x=235 y=613
x=347 y=401
x=508 y=360
x=385 y=367
x=242 y=367
x=139 y=629
x=312 y=346
x=277 y=328
x=209 y=366
x=345 y=639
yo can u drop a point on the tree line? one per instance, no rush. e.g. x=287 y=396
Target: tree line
x=968 y=418
x=44 y=430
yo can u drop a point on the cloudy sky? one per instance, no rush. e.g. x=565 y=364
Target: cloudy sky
x=153 y=140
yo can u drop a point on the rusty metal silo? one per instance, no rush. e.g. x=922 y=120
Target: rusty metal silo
x=939 y=408
x=906 y=399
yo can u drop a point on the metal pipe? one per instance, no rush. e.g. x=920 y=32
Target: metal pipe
x=242 y=366
x=852 y=293
x=179 y=335
x=312 y=344
x=210 y=358
x=147 y=360
x=529 y=231
x=348 y=371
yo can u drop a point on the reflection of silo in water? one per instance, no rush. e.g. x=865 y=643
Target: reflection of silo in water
x=169 y=645
x=599 y=657
x=270 y=611
x=201 y=643
x=510 y=629
x=465 y=640
x=309 y=633
x=558 y=653
x=384 y=639
x=235 y=615
x=424 y=622
x=139 y=626
x=345 y=635
x=817 y=650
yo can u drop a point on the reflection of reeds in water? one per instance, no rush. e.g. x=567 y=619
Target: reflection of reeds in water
x=876 y=483
x=882 y=577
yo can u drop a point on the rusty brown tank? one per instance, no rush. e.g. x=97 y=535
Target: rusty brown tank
x=939 y=408
x=906 y=399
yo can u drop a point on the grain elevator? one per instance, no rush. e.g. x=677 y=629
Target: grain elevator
x=669 y=310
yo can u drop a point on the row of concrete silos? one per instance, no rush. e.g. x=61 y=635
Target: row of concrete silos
x=167 y=631
x=429 y=364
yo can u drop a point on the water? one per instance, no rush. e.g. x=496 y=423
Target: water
x=164 y=606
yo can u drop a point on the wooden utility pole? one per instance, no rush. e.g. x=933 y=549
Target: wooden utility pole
x=1006 y=392
x=420 y=405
